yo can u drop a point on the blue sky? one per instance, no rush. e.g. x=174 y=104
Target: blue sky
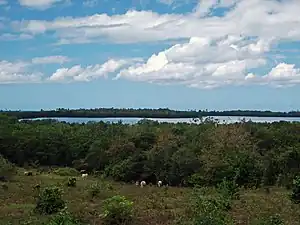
x=181 y=54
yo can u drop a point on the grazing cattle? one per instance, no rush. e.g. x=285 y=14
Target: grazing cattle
x=84 y=175
x=82 y=171
x=137 y=183
x=28 y=173
x=159 y=183
x=143 y=183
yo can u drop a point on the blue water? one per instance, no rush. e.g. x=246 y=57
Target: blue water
x=220 y=119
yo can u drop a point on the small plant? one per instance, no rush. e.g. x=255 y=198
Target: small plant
x=295 y=196
x=228 y=189
x=49 y=201
x=117 y=210
x=99 y=188
x=66 y=171
x=95 y=190
x=208 y=210
x=71 y=182
x=271 y=220
x=63 y=218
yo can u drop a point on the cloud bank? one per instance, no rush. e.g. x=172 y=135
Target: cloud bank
x=218 y=49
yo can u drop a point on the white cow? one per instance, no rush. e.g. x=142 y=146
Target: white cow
x=159 y=183
x=143 y=183
x=137 y=183
x=84 y=175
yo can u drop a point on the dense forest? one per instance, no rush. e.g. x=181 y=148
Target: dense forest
x=179 y=154
x=144 y=113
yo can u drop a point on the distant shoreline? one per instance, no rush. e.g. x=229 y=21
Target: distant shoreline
x=143 y=113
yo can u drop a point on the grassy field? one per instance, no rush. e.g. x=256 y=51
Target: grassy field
x=152 y=205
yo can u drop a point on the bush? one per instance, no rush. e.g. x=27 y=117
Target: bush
x=117 y=210
x=208 y=210
x=7 y=169
x=66 y=171
x=98 y=188
x=271 y=220
x=63 y=218
x=71 y=182
x=49 y=201
x=295 y=196
x=228 y=189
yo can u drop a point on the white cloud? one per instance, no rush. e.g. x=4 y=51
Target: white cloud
x=15 y=37
x=282 y=75
x=56 y=59
x=92 y=72
x=39 y=4
x=90 y=3
x=265 y=19
x=221 y=49
x=202 y=63
x=17 y=73
x=3 y=2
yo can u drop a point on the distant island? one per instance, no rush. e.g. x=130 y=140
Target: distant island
x=141 y=113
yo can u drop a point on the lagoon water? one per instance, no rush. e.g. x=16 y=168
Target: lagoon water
x=221 y=119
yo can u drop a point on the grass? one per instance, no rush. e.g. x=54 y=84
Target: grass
x=152 y=205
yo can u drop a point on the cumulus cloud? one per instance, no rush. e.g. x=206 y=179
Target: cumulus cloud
x=92 y=72
x=39 y=4
x=265 y=19
x=56 y=59
x=282 y=75
x=202 y=62
x=17 y=73
x=219 y=49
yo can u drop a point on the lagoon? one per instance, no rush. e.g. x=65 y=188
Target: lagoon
x=134 y=120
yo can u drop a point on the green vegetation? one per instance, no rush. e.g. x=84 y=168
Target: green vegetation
x=144 y=113
x=117 y=211
x=49 y=201
x=243 y=173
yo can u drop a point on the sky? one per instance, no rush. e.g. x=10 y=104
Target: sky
x=179 y=54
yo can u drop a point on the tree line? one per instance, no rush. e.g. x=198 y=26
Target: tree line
x=143 y=113
x=251 y=154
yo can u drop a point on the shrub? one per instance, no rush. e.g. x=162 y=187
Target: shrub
x=295 y=196
x=271 y=220
x=63 y=218
x=98 y=188
x=94 y=190
x=71 y=182
x=228 y=189
x=49 y=201
x=7 y=169
x=117 y=210
x=66 y=171
x=208 y=210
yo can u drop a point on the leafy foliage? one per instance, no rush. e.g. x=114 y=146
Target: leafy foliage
x=66 y=171
x=7 y=170
x=295 y=196
x=208 y=210
x=71 y=182
x=117 y=210
x=250 y=154
x=271 y=220
x=63 y=218
x=49 y=201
